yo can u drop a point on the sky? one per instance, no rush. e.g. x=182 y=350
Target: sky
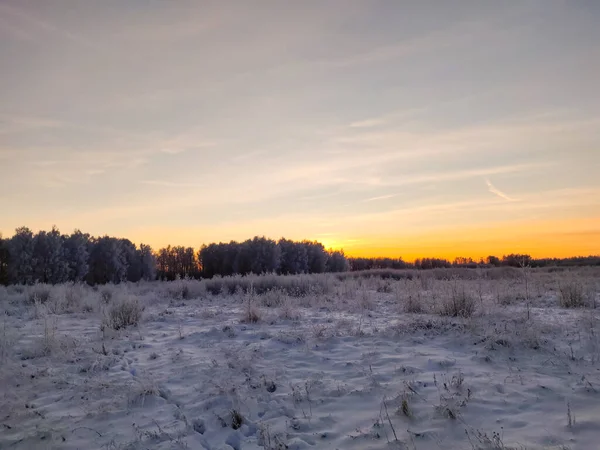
x=410 y=129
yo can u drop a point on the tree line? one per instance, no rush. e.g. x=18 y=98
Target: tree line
x=52 y=257
x=510 y=260
x=257 y=256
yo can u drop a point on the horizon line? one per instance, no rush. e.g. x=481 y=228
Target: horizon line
x=349 y=254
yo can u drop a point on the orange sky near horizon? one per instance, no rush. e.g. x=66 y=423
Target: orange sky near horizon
x=540 y=239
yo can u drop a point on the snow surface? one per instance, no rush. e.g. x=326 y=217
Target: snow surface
x=346 y=370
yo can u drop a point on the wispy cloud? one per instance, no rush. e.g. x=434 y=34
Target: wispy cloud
x=368 y=123
x=44 y=163
x=381 y=197
x=32 y=25
x=176 y=150
x=494 y=190
x=192 y=139
x=172 y=184
x=173 y=150
x=17 y=124
x=248 y=156
x=159 y=30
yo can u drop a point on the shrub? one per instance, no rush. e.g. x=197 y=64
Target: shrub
x=291 y=285
x=459 y=304
x=502 y=273
x=123 y=312
x=106 y=293
x=74 y=295
x=187 y=289
x=7 y=339
x=38 y=293
x=413 y=304
x=384 y=274
x=179 y=291
x=67 y=298
x=272 y=298
x=251 y=313
x=288 y=311
x=384 y=287
x=572 y=295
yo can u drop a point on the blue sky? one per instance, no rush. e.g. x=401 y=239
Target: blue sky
x=404 y=128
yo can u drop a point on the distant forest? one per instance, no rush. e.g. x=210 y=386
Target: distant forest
x=52 y=257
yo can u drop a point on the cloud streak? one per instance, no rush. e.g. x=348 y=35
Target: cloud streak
x=172 y=184
x=368 y=123
x=37 y=26
x=380 y=197
x=494 y=190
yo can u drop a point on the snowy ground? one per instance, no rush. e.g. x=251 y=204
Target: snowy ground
x=345 y=369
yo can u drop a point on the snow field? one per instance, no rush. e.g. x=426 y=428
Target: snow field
x=485 y=363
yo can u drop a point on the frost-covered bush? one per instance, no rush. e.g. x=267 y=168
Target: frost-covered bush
x=458 y=304
x=572 y=294
x=38 y=293
x=291 y=285
x=123 y=312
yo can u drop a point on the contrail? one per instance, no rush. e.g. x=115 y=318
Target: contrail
x=497 y=191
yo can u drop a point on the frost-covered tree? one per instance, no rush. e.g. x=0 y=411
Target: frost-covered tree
x=162 y=262
x=317 y=257
x=337 y=262
x=516 y=260
x=261 y=255
x=294 y=257
x=257 y=255
x=76 y=250
x=39 y=261
x=131 y=260
x=432 y=263
x=265 y=255
x=147 y=262
x=378 y=263
x=240 y=256
x=49 y=261
x=178 y=261
x=219 y=259
x=20 y=248
x=4 y=256
x=210 y=260
x=107 y=261
x=190 y=262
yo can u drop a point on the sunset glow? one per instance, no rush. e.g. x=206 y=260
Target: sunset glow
x=384 y=128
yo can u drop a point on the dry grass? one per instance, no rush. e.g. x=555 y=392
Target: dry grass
x=459 y=304
x=273 y=298
x=288 y=311
x=38 y=293
x=123 y=312
x=7 y=339
x=291 y=285
x=572 y=294
x=414 y=304
x=251 y=313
